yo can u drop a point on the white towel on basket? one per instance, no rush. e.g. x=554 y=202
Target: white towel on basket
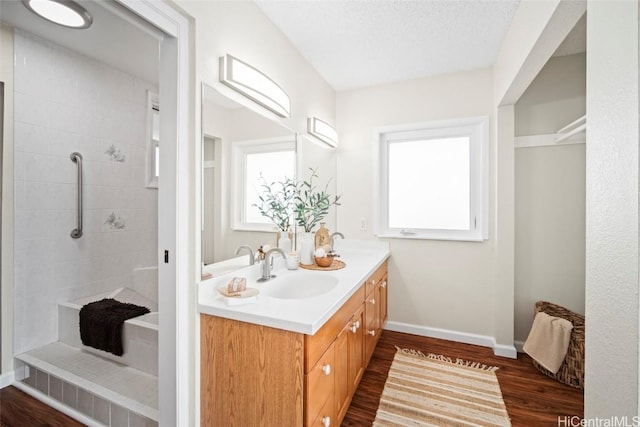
x=548 y=341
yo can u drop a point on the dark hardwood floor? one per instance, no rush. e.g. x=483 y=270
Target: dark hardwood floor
x=18 y=409
x=531 y=398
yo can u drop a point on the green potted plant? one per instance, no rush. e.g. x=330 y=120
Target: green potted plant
x=277 y=204
x=310 y=207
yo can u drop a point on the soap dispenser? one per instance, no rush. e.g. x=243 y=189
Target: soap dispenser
x=323 y=237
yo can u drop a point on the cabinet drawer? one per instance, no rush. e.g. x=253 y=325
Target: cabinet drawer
x=319 y=385
x=325 y=416
x=315 y=345
x=375 y=278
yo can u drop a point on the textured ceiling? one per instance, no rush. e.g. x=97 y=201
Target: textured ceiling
x=356 y=43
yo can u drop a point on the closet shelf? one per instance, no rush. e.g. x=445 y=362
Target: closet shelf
x=573 y=133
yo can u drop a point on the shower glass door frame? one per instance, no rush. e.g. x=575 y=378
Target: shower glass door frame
x=176 y=368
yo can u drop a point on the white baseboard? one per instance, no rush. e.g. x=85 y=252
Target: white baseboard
x=463 y=337
x=503 y=350
x=7 y=379
x=77 y=415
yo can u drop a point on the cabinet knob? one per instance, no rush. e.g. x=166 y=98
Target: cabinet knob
x=326 y=421
x=383 y=284
x=326 y=369
x=355 y=326
x=372 y=281
x=372 y=333
x=372 y=301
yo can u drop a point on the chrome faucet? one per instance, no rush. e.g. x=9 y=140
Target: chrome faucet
x=336 y=234
x=252 y=256
x=267 y=264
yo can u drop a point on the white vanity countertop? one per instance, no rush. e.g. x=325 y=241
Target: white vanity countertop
x=227 y=266
x=362 y=258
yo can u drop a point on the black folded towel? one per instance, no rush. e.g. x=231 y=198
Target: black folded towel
x=101 y=323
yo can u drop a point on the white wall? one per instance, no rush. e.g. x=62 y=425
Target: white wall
x=434 y=284
x=536 y=31
x=6 y=297
x=65 y=102
x=550 y=194
x=612 y=267
x=555 y=98
x=241 y=29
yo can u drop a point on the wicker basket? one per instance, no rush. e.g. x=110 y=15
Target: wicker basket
x=571 y=371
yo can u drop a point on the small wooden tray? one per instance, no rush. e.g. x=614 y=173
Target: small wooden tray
x=335 y=265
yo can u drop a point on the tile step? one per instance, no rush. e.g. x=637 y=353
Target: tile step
x=105 y=390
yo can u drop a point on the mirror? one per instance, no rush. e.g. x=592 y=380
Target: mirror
x=230 y=131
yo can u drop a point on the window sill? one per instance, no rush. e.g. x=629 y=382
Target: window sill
x=255 y=228
x=472 y=238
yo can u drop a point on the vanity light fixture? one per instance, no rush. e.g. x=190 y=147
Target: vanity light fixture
x=323 y=131
x=254 y=84
x=62 y=12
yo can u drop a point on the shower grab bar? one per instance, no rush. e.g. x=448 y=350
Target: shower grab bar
x=77 y=158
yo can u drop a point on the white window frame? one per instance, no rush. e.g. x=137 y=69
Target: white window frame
x=477 y=129
x=239 y=151
x=153 y=103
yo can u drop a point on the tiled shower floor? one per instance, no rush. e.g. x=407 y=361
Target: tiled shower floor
x=124 y=386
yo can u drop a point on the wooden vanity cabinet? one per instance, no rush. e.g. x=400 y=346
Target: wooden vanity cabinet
x=256 y=375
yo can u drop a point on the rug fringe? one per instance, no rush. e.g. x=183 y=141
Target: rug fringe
x=441 y=358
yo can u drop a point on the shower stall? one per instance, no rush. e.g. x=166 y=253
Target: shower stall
x=86 y=228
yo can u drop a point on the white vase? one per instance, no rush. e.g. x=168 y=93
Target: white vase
x=285 y=243
x=306 y=248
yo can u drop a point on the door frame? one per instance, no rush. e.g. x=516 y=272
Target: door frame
x=176 y=293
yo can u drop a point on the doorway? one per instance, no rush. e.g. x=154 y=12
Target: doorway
x=173 y=232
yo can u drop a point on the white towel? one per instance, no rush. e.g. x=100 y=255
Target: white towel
x=548 y=341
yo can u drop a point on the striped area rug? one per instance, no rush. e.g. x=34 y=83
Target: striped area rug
x=435 y=391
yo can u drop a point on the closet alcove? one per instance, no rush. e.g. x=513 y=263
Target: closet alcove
x=550 y=188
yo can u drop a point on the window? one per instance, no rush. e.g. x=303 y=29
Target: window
x=433 y=180
x=274 y=159
x=153 y=140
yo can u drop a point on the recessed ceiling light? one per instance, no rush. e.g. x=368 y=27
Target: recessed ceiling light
x=62 y=12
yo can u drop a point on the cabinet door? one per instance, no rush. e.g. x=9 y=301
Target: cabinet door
x=383 y=302
x=356 y=350
x=372 y=320
x=342 y=379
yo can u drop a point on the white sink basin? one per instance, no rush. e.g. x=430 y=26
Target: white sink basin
x=299 y=285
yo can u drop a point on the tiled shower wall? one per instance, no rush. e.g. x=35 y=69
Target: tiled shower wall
x=66 y=102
